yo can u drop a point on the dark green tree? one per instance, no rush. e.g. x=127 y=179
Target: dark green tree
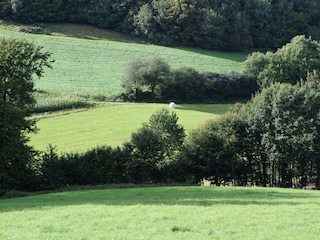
x=211 y=150
x=156 y=75
x=157 y=142
x=146 y=148
x=20 y=60
x=184 y=84
x=283 y=125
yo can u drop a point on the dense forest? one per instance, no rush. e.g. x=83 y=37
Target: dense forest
x=214 y=24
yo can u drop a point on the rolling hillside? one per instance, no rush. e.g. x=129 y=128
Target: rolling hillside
x=91 y=62
x=111 y=124
x=95 y=67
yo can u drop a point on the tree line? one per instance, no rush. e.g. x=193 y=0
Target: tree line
x=272 y=140
x=153 y=80
x=222 y=24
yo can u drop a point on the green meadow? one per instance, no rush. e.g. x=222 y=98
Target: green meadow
x=95 y=63
x=170 y=213
x=111 y=124
x=89 y=64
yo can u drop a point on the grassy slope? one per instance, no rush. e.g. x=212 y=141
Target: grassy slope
x=97 y=66
x=111 y=124
x=164 y=213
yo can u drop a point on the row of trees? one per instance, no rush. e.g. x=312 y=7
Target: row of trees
x=273 y=140
x=146 y=158
x=154 y=80
x=288 y=64
x=223 y=24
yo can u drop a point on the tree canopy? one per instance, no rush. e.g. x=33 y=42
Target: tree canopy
x=288 y=64
x=19 y=62
x=154 y=80
x=224 y=24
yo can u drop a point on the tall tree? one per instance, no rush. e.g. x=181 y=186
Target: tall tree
x=158 y=141
x=133 y=77
x=157 y=73
x=283 y=126
x=19 y=62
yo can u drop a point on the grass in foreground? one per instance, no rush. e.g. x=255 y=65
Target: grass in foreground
x=111 y=124
x=164 y=213
x=96 y=67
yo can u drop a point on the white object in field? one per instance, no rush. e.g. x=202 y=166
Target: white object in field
x=172 y=105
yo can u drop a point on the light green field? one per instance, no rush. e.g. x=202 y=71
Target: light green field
x=111 y=124
x=170 y=213
x=96 y=67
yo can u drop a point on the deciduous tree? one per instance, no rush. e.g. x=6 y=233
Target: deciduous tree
x=288 y=64
x=20 y=60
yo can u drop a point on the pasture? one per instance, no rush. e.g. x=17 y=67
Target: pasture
x=111 y=124
x=164 y=213
x=89 y=64
x=92 y=61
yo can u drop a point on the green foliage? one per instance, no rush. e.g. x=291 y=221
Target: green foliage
x=150 y=75
x=156 y=143
x=133 y=78
x=227 y=24
x=165 y=125
x=20 y=60
x=211 y=150
x=283 y=124
x=185 y=84
x=256 y=62
x=153 y=80
x=156 y=75
x=288 y=64
x=271 y=141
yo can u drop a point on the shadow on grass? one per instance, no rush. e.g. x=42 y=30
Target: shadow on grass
x=86 y=31
x=233 y=56
x=188 y=196
x=218 y=109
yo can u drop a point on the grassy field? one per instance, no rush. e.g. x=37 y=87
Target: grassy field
x=90 y=63
x=164 y=213
x=111 y=124
x=95 y=63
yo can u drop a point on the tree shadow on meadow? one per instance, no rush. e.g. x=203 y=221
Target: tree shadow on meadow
x=232 y=56
x=218 y=109
x=90 y=32
x=182 y=196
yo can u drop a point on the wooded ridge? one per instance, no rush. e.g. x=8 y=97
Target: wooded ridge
x=231 y=25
